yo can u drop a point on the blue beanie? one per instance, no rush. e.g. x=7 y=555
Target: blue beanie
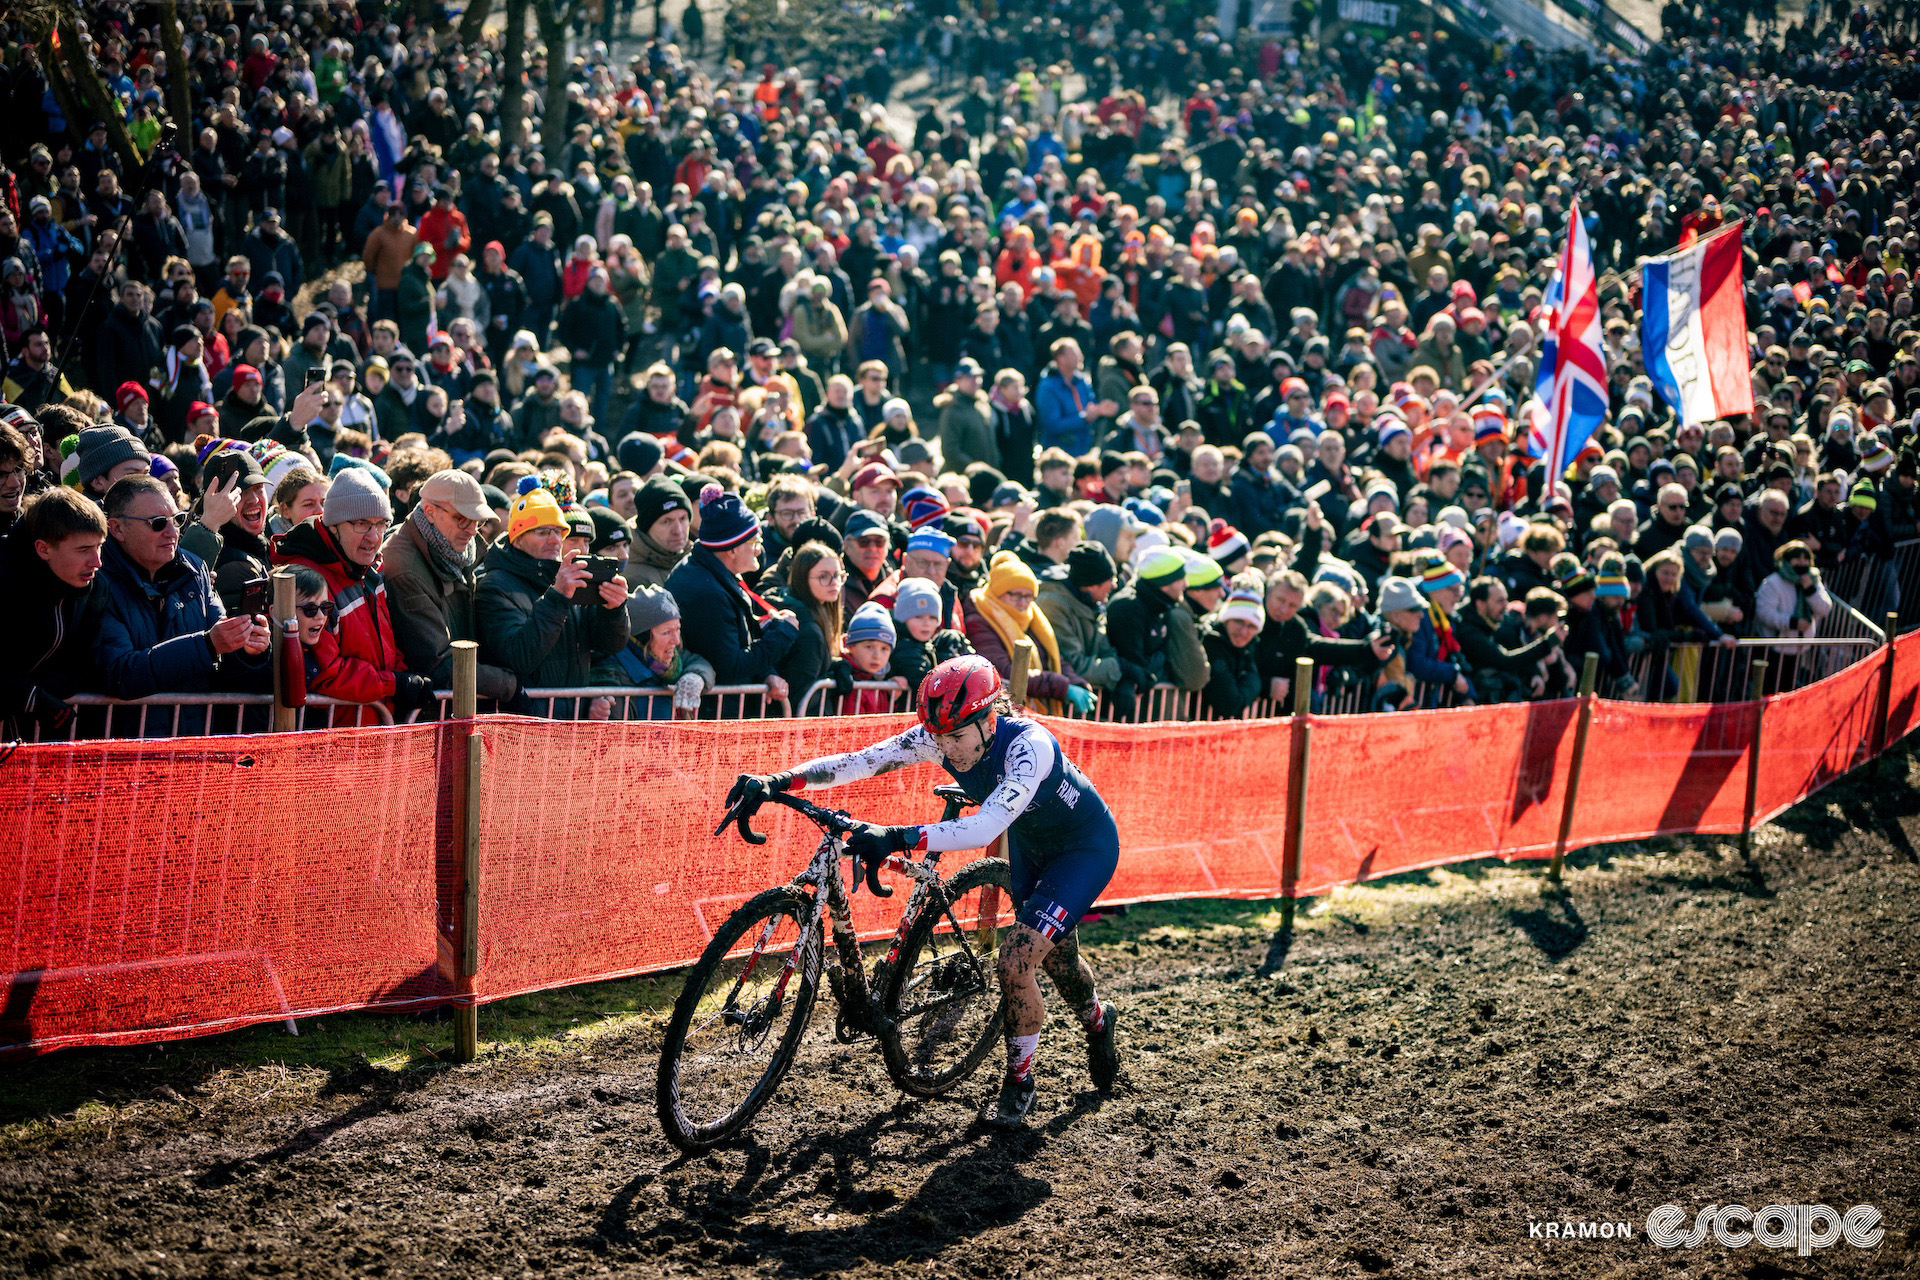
x=870 y=622
x=931 y=539
x=725 y=522
x=342 y=461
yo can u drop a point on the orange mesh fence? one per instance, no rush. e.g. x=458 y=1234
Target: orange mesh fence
x=164 y=889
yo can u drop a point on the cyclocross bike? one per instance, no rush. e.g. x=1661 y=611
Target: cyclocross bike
x=933 y=1002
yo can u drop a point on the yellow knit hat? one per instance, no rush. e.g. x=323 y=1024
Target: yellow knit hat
x=1009 y=573
x=535 y=509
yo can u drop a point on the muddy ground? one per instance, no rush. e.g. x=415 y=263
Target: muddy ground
x=1434 y=1063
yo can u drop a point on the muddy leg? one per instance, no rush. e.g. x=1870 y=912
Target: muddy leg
x=1073 y=978
x=1021 y=957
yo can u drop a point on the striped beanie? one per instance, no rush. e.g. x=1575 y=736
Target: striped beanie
x=1489 y=423
x=1225 y=543
x=1389 y=426
x=1876 y=457
x=1244 y=606
x=1611 y=586
x=1439 y=576
x=1161 y=566
x=725 y=522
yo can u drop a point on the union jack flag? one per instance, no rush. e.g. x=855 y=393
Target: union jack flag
x=1572 y=382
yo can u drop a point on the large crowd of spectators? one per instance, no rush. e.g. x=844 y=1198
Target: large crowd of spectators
x=1221 y=359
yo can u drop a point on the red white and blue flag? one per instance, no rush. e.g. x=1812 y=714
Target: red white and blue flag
x=1693 y=329
x=1572 y=382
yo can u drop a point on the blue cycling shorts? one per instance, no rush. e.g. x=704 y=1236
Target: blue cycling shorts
x=1057 y=883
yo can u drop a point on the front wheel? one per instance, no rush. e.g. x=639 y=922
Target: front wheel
x=942 y=1011
x=737 y=1025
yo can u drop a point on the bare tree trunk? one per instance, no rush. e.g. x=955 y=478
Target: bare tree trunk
x=474 y=21
x=179 y=82
x=554 y=18
x=90 y=97
x=513 y=111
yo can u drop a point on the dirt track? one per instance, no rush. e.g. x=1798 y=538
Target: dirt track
x=1434 y=1063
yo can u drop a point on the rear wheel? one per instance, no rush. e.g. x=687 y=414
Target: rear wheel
x=942 y=1008
x=738 y=1022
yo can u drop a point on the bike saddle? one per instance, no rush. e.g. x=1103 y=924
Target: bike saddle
x=952 y=793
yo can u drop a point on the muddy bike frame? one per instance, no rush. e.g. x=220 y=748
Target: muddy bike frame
x=859 y=1013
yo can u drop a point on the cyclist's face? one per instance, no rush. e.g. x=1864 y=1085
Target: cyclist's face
x=965 y=749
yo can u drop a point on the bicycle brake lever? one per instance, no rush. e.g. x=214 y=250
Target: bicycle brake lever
x=873 y=880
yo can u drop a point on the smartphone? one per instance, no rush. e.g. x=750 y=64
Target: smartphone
x=1184 y=488
x=603 y=568
x=255 y=594
x=315 y=374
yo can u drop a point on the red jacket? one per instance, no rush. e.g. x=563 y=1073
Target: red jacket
x=360 y=665
x=447 y=233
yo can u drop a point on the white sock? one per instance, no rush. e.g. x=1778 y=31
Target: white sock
x=1022 y=1051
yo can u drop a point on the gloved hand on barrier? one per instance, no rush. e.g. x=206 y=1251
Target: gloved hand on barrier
x=1081 y=697
x=687 y=691
x=412 y=692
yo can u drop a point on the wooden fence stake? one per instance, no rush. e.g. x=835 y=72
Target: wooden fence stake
x=1296 y=789
x=1589 y=673
x=1884 y=711
x=1756 y=694
x=466 y=1016
x=1023 y=662
x=286 y=717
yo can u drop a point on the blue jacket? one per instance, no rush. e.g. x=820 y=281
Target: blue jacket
x=719 y=623
x=153 y=637
x=1063 y=422
x=1424 y=665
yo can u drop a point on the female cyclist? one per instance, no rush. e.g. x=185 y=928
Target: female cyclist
x=1061 y=844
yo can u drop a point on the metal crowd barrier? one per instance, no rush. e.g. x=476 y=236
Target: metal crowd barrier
x=159 y=715
x=820 y=699
x=723 y=702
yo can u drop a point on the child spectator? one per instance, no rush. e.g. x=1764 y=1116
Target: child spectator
x=926 y=644
x=868 y=646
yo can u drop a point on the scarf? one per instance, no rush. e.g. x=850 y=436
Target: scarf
x=1443 y=626
x=454 y=565
x=1011 y=626
x=176 y=369
x=1801 y=609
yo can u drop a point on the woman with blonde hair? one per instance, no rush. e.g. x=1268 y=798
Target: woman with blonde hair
x=1001 y=613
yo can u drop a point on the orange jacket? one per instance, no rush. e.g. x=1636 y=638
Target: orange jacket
x=387 y=253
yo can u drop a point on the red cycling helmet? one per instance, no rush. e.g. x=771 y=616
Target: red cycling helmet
x=957 y=693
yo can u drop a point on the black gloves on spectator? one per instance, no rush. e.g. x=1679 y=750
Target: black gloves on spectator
x=412 y=692
x=841 y=673
x=52 y=714
x=756 y=788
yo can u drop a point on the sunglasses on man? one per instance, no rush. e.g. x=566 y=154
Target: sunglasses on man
x=159 y=523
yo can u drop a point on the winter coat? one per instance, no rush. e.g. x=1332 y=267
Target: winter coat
x=415 y=307
x=430 y=611
x=46 y=650
x=721 y=624
x=369 y=654
x=152 y=637
x=1233 y=681
x=545 y=639
x=1137 y=629
x=912 y=659
x=807 y=661
x=1041 y=683
x=1079 y=628
x=1773 y=606
x=1498 y=673
x=965 y=430
x=592 y=327
x=1186 y=657
x=1597 y=630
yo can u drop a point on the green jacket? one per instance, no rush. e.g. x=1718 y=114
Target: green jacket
x=1186 y=656
x=416 y=307
x=1080 y=629
x=966 y=431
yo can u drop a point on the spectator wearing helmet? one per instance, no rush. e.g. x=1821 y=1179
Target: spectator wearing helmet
x=428 y=563
x=48 y=568
x=343 y=546
x=744 y=637
x=539 y=614
x=162 y=629
x=1002 y=613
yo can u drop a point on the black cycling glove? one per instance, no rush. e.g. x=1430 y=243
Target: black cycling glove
x=756 y=789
